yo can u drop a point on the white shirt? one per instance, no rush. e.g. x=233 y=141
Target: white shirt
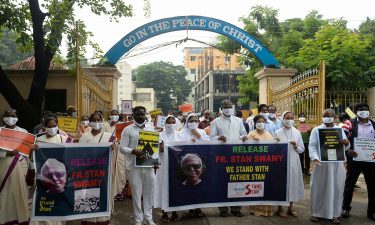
x=231 y=127
x=129 y=141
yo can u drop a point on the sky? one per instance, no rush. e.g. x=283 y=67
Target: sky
x=106 y=34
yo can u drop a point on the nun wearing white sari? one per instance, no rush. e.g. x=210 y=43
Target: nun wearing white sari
x=168 y=135
x=328 y=178
x=294 y=138
x=191 y=132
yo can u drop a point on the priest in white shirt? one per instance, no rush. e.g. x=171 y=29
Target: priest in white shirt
x=328 y=178
x=224 y=128
x=142 y=179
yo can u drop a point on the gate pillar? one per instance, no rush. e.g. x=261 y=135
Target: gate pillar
x=269 y=77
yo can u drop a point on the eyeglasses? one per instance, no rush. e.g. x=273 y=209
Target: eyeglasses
x=194 y=166
x=55 y=174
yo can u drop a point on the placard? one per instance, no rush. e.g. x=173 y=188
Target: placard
x=68 y=124
x=120 y=127
x=127 y=107
x=365 y=148
x=148 y=143
x=12 y=139
x=330 y=147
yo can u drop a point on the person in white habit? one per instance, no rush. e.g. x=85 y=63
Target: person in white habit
x=296 y=187
x=141 y=179
x=97 y=135
x=328 y=178
x=168 y=135
x=191 y=132
x=228 y=127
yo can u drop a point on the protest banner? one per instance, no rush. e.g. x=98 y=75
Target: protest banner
x=68 y=124
x=148 y=143
x=13 y=139
x=330 y=147
x=185 y=108
x=365 y=148
x=120 y=127
x=199 y=175
x=73 y=181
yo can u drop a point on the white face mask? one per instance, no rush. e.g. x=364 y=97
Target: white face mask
x=140 y=124
x=169 y=128
x=288 y=123
x=227 y=112
x=85 y=123
x=114 y=118
x=193 y=125
x=271 y=115
x=10 y=121
x=96 y=125
x=260 y=126
x=52 y=131
x=328 y=120
x=302 y=119
x=74 y=114
x=265 y=115
x=363 y=114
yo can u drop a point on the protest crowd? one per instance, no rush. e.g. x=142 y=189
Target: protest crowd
x=332 y=182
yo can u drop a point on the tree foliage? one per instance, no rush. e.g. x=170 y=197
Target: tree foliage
x=302 y=43
x=10 y=51
x=39 y=28
x=169 y=82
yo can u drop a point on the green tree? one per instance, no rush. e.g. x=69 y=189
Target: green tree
x=169 y=82
x=10 y=51
x=40 y=28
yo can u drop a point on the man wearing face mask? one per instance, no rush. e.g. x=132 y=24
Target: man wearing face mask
x=272 y=116
x=206 y=120
x=179 y=121
x=142 y=179
x=72 y=111
x=328 y=178
x=363 y=127
x=270 y=125
x=228 y=127
x=113 y=119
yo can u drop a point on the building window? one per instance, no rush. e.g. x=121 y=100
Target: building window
x=227 y=59
x=193 y=58
x=142 y=96
x=193 y=71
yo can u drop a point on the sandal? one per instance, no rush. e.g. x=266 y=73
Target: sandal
x=224 y=214
x=335 y=221
x=165 y=218
x=175 y=217
x=292 y=212
x=199 y=213
x=237 y=214
x=282 y=214
x=191 y=213
x=314 y=219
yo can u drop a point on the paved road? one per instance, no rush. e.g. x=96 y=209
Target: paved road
x=123 y=214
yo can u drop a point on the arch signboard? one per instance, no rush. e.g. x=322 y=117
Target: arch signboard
x=166 y=25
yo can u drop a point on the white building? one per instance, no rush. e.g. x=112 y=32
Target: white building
x=127 y=89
